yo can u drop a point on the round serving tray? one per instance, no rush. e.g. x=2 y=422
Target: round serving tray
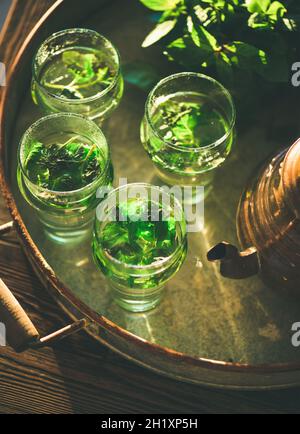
x=208 y=330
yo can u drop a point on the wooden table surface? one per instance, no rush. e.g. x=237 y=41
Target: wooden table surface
x=78 y=375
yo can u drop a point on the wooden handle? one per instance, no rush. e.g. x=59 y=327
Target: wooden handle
x=20 y=331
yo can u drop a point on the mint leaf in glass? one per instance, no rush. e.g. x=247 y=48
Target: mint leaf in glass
x=63 y=167
x=77 y=74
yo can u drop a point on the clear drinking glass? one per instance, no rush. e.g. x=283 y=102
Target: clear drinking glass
x=77 y=71
x=140 y=242
x=64 y=160
x=188 y=128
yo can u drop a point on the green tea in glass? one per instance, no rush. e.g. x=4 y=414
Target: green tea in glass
x=77 y=71
x=64 y=160
x=140 y=243
x=188 y=128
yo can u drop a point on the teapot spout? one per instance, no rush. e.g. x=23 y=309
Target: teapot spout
x=235 y=264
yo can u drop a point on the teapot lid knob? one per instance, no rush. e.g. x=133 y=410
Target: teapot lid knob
x=291 y=177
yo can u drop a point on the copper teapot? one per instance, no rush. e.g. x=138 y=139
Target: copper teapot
x=268 y=226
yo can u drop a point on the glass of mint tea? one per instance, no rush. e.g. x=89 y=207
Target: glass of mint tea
x=188 y=128
x=63 y=162
x=77 y=71
x=140 y=242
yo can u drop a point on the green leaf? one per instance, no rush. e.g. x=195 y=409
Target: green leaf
x=160 y=5
x=70 y=57
x=258 y=6
x=267 y=18
x=246 y=56
x=258 y=21
x=201 y=13
x=292 y=22
x=201 y=37
x=205 y=30
x=34 y=152
x=224 y=67
x=160 y=31
x=186 y=53
x=178 y=44
x=81 y=65
x=276 y=10
x=276 y=68
x=206 y=16
x=271 y=65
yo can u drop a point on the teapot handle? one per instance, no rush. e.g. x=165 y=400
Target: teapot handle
x=233 y=263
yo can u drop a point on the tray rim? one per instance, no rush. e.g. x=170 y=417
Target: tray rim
x=64 y=291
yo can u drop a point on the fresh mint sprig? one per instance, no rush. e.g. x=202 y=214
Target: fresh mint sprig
x=85 y=71
x=252 y=37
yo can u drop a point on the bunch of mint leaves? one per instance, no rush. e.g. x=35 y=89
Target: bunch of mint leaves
x=240 y=39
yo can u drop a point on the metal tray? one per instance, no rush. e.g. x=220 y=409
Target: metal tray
x=208 y=330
